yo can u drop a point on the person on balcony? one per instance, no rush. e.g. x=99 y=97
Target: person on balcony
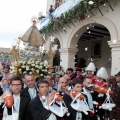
x=58 y=3
x=51 y=9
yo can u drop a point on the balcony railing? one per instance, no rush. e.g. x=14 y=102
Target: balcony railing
x=66 y=6
x=68 y=13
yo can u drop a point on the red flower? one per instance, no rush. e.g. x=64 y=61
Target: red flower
x=57 y=20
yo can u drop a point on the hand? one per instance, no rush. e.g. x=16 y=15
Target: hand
x=3 y=83
x=49 y=100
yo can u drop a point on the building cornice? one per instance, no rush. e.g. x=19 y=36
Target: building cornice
x=68 y=50
x=114 y=46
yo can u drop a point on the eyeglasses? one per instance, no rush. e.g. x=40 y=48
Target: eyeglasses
x=57 y=77
x=16 y=85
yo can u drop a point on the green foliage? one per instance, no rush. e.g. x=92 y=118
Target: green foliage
x=81 y=9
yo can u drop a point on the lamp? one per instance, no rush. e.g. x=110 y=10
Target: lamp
x=16 y=56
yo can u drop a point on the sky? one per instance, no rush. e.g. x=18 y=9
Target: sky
x=15 y=18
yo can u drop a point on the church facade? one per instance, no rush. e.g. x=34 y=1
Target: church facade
x=94 y=38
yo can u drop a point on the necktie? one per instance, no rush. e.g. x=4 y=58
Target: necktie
x=90 y=101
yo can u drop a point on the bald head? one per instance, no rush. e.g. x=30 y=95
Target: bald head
x=62 y=81
x=9 y=77
x=30 y=81
x=66 y=76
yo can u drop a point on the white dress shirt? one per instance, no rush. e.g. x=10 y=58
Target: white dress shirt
x=16 y=102
x=32 y=92
x=89 y=96
x=52 y=116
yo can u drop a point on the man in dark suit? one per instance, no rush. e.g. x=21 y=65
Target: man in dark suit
x=38 y=106
x=87 y=91
x=115 y=113
x=20 y=100
x=68 y=98
x=61 y=83
x=77 y=85
x=30 y=90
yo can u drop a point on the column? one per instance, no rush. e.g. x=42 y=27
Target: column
x=67 y=57
x=115 y=54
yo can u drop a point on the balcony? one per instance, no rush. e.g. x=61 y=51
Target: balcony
x=66 y=6
x=68 y=12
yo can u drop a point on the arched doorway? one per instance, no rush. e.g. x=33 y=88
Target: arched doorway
x=56 y=60
x=92 y=45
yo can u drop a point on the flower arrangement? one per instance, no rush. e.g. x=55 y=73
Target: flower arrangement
x=35 y=67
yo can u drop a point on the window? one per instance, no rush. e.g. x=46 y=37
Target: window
x=96 y=49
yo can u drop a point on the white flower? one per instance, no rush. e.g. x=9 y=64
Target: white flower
x=40 y=67
x=41 y=75
x=41 y=63
x=12 y=67
x=27 y=67
x=20 y=61
x=20 y=69
x=91 y=2
x=32 y=69
x=29 y=62
x=30 y=73
x=45 y=62
x=23 y=62
x=45 y=70
x=36 y=62
x=24 y=72
x=12 y=71
x=37 y=71
x=46 y=67
x=37 y=66
x=33 y=65
x=32 y=61
x=23 y=66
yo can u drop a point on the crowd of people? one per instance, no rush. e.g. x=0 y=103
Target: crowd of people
x=33 y=96
x=57 y=4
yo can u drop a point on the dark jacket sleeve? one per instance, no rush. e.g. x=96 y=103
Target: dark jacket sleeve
x=37 y=111
x=67 y=99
